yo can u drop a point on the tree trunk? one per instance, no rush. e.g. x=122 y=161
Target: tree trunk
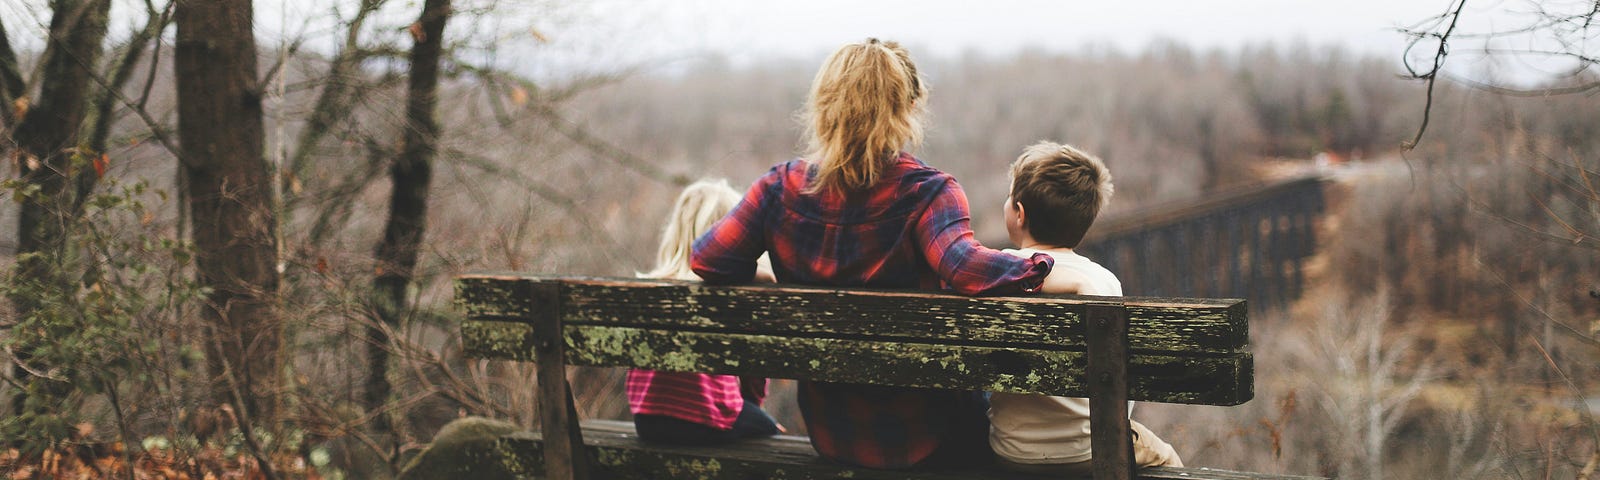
x=11 y=85
x=106 y=102
x=408 y=208
x=45 y=138
x=230 y=200
x=333 y=103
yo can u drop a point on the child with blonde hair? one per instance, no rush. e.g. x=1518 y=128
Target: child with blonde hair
x=1056 y=193
x=695 y=408
x=858 y=210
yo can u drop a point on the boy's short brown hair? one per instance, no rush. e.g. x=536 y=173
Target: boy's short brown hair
x=1062 y=190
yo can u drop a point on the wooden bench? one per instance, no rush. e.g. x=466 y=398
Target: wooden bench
x=1111 y=350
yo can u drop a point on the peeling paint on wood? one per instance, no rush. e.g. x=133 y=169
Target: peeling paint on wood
x=499 y=340
x=1158 y=378
x=1180 y=350
x=1216 y=326
x=973 y=343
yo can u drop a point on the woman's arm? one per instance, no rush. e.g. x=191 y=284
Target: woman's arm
x=727 y=253
x=944 y=233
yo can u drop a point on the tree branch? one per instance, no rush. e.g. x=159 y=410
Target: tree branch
x=566 y=203
x=581 y=135
x=543 y=106
x=1525 y=92
x=105 y=105
x=1433 y=74
x=155 y=54
x=335 y=97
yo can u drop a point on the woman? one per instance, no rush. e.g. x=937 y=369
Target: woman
x=858 y=211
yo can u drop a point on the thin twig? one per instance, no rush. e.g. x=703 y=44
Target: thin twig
x=566 y=203
x=1524 y=92
x=242 y=417
x=122 y=425
x=1588 y=417
x=1573 y=331
x=150 y=122
x=581 y=135
x=15 y=360
x=1433 y=74
x=155 y=55
x=1579 y=241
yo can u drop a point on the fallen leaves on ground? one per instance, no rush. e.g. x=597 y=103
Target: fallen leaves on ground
x=112 y=461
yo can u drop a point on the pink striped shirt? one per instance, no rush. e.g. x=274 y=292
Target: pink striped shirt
x=711 y=400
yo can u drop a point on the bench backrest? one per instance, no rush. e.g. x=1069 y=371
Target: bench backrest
x=1193 y=351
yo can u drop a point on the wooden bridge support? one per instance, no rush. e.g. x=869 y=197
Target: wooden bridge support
x=1251 y=244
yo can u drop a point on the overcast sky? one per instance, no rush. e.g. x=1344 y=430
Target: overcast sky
x=582 y=34
x=746 y=31
x=952 y=26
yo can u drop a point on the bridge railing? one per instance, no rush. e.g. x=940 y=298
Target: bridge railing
x=1247 y=243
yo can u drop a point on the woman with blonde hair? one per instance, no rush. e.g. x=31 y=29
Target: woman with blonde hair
x=857 y=210
x=695 y=408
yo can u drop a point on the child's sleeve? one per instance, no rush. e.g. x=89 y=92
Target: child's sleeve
x=727 y=253
x=944 y=233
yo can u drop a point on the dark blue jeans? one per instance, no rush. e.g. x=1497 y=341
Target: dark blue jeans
x=752 y=422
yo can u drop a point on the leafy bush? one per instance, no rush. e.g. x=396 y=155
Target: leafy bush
x=84 y=337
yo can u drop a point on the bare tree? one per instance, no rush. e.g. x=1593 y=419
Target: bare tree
x=1369 y=379
x=411 y=174
x=1559 y=201
x=44 y=140
x=1550 y=30
x=230 y=200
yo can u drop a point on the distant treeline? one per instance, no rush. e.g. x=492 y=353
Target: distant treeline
x=1171 y=122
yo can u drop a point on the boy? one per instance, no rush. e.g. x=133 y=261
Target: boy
x=1056 y=192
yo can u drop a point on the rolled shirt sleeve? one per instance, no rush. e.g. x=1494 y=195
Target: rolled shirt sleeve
x=945 y=235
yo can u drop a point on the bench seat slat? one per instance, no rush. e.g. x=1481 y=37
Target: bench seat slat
x=1155 y=324
x=1155 y=378
x=615 y=452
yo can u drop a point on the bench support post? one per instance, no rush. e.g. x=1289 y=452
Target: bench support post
x=1111 y=434
x=564 y=454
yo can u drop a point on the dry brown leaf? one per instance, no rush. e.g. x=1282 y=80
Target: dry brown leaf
x=23 y=473
x=519 y=95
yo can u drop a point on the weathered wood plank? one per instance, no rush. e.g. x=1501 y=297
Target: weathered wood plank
x=1219 y=380
x=615 y=452
x=1157 y=378
x=563 y=456
x=504 y=340
x=1112 y=441
x=1047 y=321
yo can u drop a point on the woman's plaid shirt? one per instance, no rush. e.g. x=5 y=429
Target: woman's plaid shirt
x=910 y=230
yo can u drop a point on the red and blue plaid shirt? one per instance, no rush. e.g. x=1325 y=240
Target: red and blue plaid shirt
x=910 y=230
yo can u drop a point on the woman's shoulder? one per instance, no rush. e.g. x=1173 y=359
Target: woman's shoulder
x=910 y=169
x=792 y=172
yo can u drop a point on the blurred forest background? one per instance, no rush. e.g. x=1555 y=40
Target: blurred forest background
x=1450 y=327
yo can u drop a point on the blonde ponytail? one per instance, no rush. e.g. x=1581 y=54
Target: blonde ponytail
x=865 y=106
